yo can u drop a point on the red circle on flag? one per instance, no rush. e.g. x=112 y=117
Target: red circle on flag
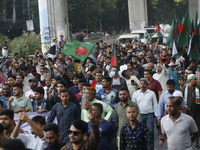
x=81 y=50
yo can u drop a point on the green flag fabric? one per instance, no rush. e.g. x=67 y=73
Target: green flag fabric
x=171 y=35
x=184 y=31
x=194 y=40
x=80 y=50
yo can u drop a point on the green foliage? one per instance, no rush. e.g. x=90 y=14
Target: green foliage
x=163 y=11
x=25 y=44
x=4 y=38
x=86 y=14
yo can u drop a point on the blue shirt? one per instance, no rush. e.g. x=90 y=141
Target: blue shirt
x=110 y=98
x=65 y=115
x=162 y=103
x=173 y=74
x=5 y=101
x=107 y=132
x=74 y=90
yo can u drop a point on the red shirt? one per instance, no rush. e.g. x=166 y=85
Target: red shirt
x=155 y=86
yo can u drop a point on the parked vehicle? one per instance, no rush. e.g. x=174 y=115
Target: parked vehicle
x=144 y=35
x=128 y=37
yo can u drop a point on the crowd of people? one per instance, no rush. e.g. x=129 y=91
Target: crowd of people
x=94 y=105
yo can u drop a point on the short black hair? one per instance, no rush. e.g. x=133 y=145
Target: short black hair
x=39 y=119
x=7 y=112
x=92 y=68
x=99 y=106
x=87 y=85
x=6 y=84
x=80 y=125
x=107 y=57
x=124 y=73
x=82 y=80
x=77 y=76
x=133 y=106
x=123 y=89
x=177 y=101
x=170 y=82
x=62 y=82
x=39 y=90
x=190 y=69
x=52 y=127
x=23 y=67
x=21 y=75
x=107 y=78
x=12 y=76
x=10 y=144
x=64 y=91
x=149 y=71
x=19 y=85
x=130 y=62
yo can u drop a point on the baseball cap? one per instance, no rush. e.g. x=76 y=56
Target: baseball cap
x=33 y=79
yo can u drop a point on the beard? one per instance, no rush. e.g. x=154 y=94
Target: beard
x=33 y=86
x=124 y=100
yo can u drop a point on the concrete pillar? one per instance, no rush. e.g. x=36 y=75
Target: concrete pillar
x=58 y=18
x=194 y=5
x=53 y=21
x=137 y=13
x=51 y=16
x=44 y=25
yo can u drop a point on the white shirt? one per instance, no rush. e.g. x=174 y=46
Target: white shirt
x=162 y=77
x=30 y=92
x=178 y=132
x=146 y=101
x=32 y=142
x=132 y=88
x=4 y=52
x=26 y=88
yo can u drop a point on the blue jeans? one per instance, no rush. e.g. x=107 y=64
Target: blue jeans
x=148 y=120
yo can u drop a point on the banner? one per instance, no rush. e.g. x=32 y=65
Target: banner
x=25 y=126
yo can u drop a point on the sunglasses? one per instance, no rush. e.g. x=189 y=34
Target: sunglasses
x=76 y=133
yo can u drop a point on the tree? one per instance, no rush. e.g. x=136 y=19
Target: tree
x=25 y=44
x=158 y=10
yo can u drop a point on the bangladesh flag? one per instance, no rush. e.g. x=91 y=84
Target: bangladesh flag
x=172 y=33
x=80 y=50
x=184 y=31
x=194 y=40
x=172 y=38
x=114 y=57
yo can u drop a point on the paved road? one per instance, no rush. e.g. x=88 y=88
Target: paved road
x=156 y=142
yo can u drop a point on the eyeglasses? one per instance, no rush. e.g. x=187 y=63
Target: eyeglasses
x=76 y=133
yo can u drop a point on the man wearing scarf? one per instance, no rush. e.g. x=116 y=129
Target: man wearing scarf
x=191 y=95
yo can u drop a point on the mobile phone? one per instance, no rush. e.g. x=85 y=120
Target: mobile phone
x=132 y=81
